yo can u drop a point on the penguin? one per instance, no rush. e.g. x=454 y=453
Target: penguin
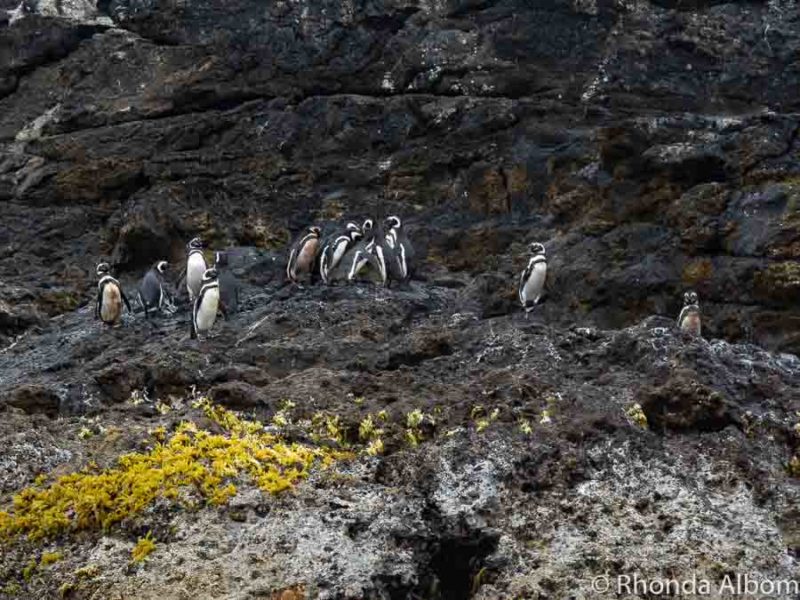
x=303 y=254
x=387 y=259
x=151 y=288
x=398 y=241
x=531 y=282
x=206 y=305
x=109 y=297
x=195 y=267
x=366 y=227
x=689 y=319
x=361 y=253
x=334 y=250
x=229 y=286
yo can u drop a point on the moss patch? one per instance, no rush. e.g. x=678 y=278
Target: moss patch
x=144 y=546
x=192 y=462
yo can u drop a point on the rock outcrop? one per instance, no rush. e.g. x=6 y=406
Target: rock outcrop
x=651 y=145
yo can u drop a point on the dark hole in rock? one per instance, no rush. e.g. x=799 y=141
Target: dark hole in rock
x=457 y=561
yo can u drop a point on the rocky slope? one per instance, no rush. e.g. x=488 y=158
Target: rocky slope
x=651 y=145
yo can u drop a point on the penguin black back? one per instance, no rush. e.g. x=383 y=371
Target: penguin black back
x=387 y=258
x=229 y=285
x=151 y=292
x=397 y=239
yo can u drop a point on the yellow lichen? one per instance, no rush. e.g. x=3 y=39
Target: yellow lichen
x=794 y=466
x=144 y=546
x=375 y=447
x=636 y=414
x=413 y=437
x=525 y=426
x=367 y=429
x=48 y=558
x=88 y=572
x=414 y=418
x=484 y=422
x=280 y=419
x=190 y=462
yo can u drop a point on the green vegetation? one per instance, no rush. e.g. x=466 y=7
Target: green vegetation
x=144 y=546
x=637 y=416
x=191 y=461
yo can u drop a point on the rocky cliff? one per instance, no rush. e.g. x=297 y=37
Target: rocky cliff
x=650 y=144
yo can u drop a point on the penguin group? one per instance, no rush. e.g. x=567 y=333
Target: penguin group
x=211 y=290
x=350 y=251
x=345 y=255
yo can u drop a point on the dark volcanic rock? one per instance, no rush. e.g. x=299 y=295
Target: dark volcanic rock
x=34 y=399
x=237 y=395
x=651 y=146
x=637 y=130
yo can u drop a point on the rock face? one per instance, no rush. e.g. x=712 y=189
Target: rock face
x=651 y=145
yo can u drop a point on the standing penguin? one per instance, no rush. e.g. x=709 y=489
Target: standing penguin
x=397 y=239
x=109 y=297
x=531 y=282
x=229 y=286
x=151 y=288
x=361 y=253
x=689 y=319
x=334 y=250
x=206 y=305
x=195 y=267
x=303 y=254
x=387 y=258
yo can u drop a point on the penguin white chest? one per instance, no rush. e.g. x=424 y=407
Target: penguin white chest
x=111 y=307
x=206 y=313
x=534 y=286
x=195 y=267
x=306 y=256
x=338 y=253
x=691 y=323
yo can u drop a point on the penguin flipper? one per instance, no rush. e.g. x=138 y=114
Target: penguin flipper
x=290 y=265
x=98 y=303
x=192 y=328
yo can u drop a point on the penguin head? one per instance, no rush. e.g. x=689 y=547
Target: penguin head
x=210 y=274
x=537 y=248
x=162 y=266
x=355 y=234
x=690 y=298
x=367 y=226
x=353 y=227
x=315 y=230
x=195 y=243
x=393 y=222
x=103 y=268
x=220 y=259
